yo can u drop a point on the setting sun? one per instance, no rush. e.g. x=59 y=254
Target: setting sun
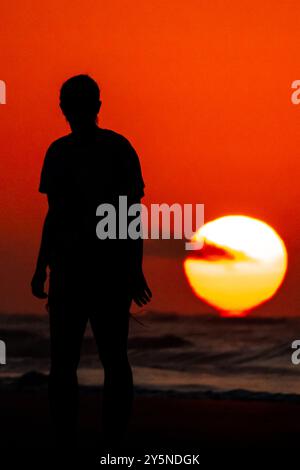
x=242 y=264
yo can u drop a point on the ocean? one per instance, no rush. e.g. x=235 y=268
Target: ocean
x=172 y=353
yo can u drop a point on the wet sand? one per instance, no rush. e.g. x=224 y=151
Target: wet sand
x=214 y=429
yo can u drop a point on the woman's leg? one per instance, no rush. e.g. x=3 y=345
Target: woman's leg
x=67 y=325
x=110 y=327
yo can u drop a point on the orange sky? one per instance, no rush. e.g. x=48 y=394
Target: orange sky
x=201 y=89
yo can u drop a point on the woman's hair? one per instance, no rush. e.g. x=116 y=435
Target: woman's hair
x=80 y=94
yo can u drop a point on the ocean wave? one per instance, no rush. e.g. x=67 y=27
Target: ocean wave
x=35 y=381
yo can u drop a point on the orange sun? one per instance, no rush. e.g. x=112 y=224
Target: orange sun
x=242 y=263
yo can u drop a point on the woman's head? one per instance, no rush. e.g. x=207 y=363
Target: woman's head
x=80 y=101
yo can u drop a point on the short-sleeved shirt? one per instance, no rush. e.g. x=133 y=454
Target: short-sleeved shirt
x=80 y=174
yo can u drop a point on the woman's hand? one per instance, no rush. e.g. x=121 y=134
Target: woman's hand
x=38 y=283
x=139 y=289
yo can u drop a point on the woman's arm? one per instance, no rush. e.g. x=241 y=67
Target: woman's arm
x=141 y=293
x=40 y=274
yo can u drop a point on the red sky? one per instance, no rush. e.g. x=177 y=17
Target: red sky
x=201 y=89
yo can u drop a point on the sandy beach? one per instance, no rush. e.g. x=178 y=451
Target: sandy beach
x=160 y=424
x=211 y=387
